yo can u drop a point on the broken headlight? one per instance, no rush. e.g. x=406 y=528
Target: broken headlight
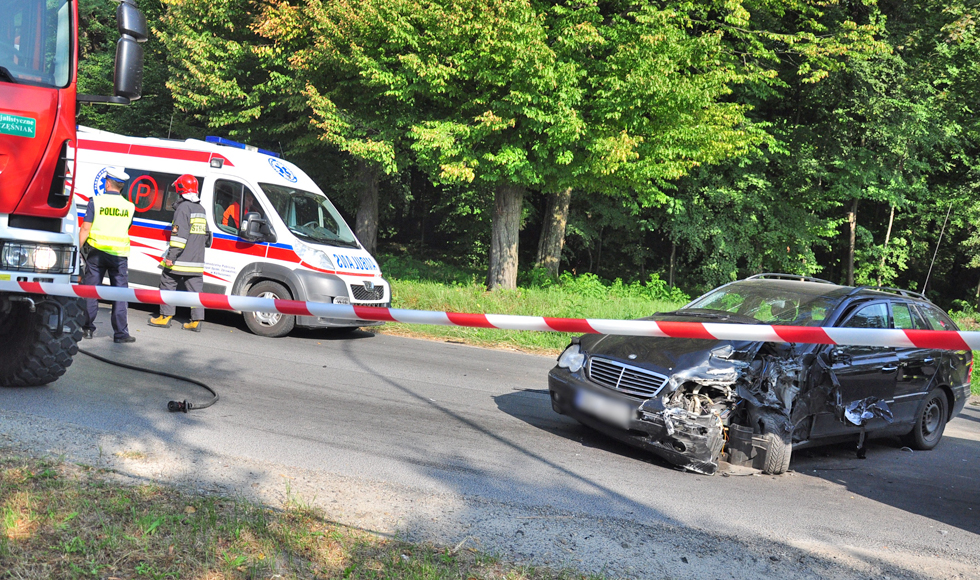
x=572 y=359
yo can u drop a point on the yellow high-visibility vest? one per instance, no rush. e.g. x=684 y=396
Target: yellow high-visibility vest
x=111 y=219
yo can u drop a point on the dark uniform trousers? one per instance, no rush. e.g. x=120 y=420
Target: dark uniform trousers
x=170 y=280
x=97 y=265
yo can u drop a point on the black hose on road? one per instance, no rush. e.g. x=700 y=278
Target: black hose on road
x=172 y=406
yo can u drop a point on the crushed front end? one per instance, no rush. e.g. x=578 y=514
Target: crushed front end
x=685 y=408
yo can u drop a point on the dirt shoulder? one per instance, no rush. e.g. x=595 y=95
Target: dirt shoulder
x=611 y=547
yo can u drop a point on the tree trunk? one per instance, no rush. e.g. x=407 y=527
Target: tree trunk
x=852 y=223
x=366 y=222
x=508 y=201
x=888 y=235
x=673 y=253
x=552 y=238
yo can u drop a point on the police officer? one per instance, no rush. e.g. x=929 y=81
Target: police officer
x=183 y=264
x=104 y=240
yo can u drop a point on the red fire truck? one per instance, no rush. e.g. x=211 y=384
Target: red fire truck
x=38 y=238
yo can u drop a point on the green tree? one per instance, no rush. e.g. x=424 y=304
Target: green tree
x=153 y=113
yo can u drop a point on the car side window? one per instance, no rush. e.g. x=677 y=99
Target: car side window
x=902 y=317
x=937 y=320
x=871 y=316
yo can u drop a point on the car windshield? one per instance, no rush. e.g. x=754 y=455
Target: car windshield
x=35 y=42
x=310 y=216
x=771 y=302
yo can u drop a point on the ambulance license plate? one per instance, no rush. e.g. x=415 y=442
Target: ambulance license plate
x=609 y=410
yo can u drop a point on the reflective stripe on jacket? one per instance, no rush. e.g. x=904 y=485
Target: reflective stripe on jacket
x=188 y=238
x=112 y=216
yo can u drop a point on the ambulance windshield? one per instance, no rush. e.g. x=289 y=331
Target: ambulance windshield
x=310 y=216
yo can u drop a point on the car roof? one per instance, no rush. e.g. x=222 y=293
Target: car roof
x=818 y=287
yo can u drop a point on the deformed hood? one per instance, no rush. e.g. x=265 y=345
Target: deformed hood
x=662 y=354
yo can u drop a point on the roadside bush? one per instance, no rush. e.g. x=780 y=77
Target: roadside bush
x=592 y=286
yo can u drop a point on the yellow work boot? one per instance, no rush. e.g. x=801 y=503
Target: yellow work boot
x=161 y=321
x=194 y=325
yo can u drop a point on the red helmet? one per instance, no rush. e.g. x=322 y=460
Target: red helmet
x=185 y=184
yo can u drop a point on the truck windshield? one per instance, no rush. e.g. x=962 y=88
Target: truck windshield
x=310 y=216
x=35 y=42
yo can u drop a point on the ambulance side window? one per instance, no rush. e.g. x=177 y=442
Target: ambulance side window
x=227 y=200
x=228 y=197
x=152 y=193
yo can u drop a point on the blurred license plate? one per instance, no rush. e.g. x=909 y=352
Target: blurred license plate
x=612 y=411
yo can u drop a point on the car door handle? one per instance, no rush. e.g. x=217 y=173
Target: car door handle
x=889 y=369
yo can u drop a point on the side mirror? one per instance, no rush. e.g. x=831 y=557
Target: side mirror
x=255 y=227
x=131 y=22
x=839 y=355
x=128 y=73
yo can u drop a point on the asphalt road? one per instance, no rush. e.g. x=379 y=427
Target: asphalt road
x=449 y=443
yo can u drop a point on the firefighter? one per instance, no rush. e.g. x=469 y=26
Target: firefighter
x=104 y=242
x=183 y=263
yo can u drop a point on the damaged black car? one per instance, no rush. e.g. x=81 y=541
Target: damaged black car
x=696 y=402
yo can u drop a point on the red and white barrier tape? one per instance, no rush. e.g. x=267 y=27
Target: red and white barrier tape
x=947 y=340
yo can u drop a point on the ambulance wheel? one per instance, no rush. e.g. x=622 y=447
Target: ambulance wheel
x=30 y=353
x=271 y=324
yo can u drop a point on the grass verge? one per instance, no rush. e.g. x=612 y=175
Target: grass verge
x=554 y=301
x=59 y=520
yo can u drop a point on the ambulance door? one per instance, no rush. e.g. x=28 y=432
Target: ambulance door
x=230 y=252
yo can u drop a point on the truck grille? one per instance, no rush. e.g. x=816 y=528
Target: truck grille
x=629 y=380
x=363 y=294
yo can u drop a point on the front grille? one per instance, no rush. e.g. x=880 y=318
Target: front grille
x=626 y=379
x=364 y=295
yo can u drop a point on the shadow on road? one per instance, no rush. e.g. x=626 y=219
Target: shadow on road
x=940 y=484
x=512 y=514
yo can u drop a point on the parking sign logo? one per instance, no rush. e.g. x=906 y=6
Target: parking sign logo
x=282 y=170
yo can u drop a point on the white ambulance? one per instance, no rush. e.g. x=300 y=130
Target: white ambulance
x=276 y=235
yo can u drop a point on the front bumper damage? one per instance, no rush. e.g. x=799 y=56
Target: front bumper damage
x=691 y=442
x=724 y=407
x=699 y=409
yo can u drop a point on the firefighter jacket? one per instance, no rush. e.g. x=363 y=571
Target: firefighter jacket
x=188 y=238
x=112 y=214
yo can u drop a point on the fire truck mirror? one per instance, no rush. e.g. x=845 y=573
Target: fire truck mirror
x=129 y=69
x=131 y=22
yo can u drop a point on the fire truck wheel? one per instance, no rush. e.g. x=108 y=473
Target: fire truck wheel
x=271 y=324
x=30 y=353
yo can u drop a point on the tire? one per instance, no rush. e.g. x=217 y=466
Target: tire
x=269 y=325
x=930 y=422
x=30 y=353
x=779 y=444
x=778 y=453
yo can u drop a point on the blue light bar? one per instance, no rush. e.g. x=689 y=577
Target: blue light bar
x=230 y=143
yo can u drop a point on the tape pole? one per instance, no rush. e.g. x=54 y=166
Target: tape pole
x=937 y=339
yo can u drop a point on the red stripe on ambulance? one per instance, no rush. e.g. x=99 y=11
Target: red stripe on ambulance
x=149 y=151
